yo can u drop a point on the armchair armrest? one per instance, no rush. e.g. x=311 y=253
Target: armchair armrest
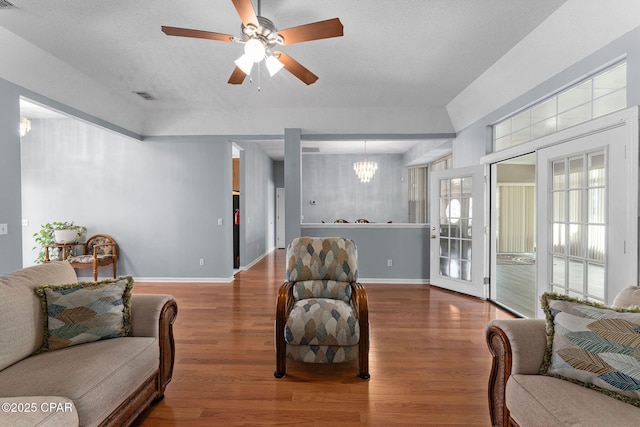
x=361 y=305
x=517 y=347
x=153 y=316
x=284 y=302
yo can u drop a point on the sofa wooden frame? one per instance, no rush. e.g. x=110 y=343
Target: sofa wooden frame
x=500 y=349
x=152 y=390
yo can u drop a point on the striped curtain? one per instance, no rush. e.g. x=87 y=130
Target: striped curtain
x=516 y=219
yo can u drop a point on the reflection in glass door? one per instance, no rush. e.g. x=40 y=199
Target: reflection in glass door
x=513 y=219
x=456 y=203
x=578 y=249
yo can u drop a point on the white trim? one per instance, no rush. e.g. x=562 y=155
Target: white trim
x=255 y=261
x=376 y=281
x=185 y=279
x=362 y=225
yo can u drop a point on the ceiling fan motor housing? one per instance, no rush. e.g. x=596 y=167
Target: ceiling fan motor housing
x=266 y=32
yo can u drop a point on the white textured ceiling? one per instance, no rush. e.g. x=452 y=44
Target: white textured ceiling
x=398 y=65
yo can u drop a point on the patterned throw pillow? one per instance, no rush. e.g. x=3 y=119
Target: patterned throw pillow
x=84 y=312
x=593 y=345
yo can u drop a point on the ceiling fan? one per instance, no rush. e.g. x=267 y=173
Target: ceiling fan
x=260 y=36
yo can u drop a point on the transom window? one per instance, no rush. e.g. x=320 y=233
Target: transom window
x=600 y=94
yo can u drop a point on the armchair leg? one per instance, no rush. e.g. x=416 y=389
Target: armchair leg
x=281 y=361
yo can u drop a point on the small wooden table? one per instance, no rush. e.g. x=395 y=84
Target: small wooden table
x=66 y=250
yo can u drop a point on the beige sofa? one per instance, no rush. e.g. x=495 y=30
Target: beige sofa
x=520 y=396
x=106 y=382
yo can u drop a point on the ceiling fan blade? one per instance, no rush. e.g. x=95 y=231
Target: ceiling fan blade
x=237 y=77
x=185 y=32
x=314 y=31
x=296 y=68
x=246 y=12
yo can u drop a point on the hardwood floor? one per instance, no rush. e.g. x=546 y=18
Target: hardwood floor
x=429 y=363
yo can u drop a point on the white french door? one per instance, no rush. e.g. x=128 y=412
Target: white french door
x=457 y=260
x=588 y=211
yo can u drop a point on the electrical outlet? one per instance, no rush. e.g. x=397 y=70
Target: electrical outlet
x=201 y=261
x=389 y=263
x=3 y=229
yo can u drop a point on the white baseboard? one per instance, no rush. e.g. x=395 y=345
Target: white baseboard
x=255 y=261
x=367 y=280
x=185 y=279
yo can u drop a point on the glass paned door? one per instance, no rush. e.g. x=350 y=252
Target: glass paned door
x=587 y=188
x=577 y=209
x=457 y=240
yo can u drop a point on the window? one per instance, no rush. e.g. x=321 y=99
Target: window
x=600 y=94
x=418 y=185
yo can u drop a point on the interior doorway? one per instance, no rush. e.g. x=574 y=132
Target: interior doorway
x=513 y=226
x=280 y=224
x=236 y=206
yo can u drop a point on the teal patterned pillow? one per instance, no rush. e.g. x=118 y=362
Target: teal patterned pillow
x=593 y=345
x=84 y=312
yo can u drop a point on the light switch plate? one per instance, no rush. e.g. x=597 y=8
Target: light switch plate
x=3 y=229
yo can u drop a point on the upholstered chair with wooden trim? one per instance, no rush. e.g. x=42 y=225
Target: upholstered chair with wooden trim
x=321 y=312
x=97 y=251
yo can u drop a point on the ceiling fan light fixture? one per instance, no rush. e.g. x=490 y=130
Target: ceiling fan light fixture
x=245 y=63
x=273 y=65
x=255 y=49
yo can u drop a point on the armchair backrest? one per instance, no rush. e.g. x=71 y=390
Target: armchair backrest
x=101 y=239
x=322 y=267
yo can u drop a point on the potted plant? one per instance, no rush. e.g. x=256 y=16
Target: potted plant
x=57 y=232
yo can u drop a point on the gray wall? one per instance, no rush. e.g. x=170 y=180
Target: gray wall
x=329 y=179
x=160 y=198
x=257 y=203
x=11 y=243
x=407 y=246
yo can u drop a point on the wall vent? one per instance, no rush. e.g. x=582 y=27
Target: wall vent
x=310 y=149
x=4 y=4
x=144 y=95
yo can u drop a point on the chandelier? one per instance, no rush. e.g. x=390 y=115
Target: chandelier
x=25 y=126
x=365 y=169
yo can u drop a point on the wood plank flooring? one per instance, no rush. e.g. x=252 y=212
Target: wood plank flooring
x=429 y=363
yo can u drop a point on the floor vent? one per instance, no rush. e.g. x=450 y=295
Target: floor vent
x=144 y=95
x=4 y=4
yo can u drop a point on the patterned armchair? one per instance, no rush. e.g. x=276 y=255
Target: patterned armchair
x=321 y=312
x=99 y=250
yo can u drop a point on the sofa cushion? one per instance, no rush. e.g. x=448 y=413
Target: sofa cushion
x=627 y=298
x=96 y=376
x=84 y=312
x=593 y=345
x=542 y=401
x=40 y=411
x=21 y=317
